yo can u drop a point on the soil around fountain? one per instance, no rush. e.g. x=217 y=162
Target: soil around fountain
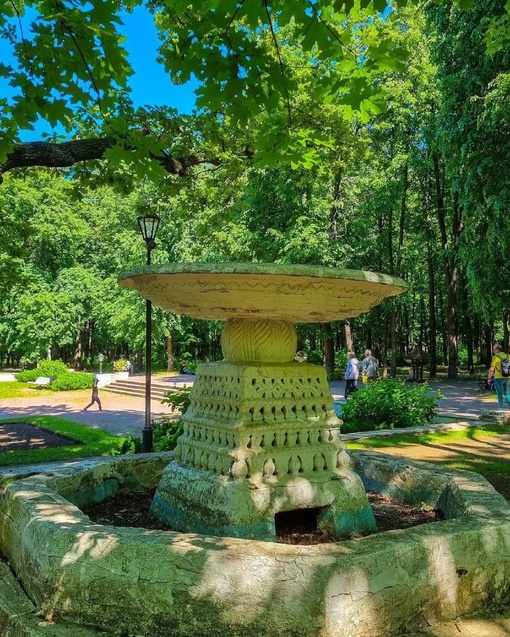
x=133 y=510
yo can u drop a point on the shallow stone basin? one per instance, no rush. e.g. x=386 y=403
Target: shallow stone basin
x=140 y=582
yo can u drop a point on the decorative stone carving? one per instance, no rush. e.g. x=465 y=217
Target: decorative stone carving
x=260 y=436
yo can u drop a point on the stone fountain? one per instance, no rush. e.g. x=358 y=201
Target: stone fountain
x=260 y=437
x=260 y=441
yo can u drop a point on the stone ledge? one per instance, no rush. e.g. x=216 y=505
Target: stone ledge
x=148 y=582
x=18 y=616
x=388 y=433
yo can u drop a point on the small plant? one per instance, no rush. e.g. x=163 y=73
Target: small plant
x=179 y=399
x=389 y=404
x=120 y=365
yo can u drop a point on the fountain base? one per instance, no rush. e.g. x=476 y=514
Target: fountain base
x=196 y=501
x=260 y=439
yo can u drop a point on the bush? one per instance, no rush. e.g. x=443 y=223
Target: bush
x=70 y=381
x=52 y=368
x=166 y=433
x=46 y=368
x=27 y=376
x=389 y=404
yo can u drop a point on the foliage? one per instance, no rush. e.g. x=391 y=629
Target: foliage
x=72 y=381
x=166 y=433
x=28 y=375
x=179 y=399
x=52 y=368
x=120 y=365
x=90 y=442
x=389 y=404
x=45 y=368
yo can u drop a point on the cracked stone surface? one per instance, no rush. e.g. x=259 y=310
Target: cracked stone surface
x=143 y=583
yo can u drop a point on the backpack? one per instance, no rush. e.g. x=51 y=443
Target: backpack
x=505 y=366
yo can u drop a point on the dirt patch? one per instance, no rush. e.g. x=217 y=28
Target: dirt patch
x=132 y=510
x=21 y=436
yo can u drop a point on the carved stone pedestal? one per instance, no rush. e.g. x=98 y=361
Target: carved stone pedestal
x=260 y=438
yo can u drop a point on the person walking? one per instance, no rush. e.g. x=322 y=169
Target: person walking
x=369 y=367
x=351 y=374
x=95 y=396
x=501 y=382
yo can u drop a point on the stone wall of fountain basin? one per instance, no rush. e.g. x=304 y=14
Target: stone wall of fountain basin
x=151 y=583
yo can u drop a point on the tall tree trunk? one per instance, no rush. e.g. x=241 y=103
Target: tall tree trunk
x=451 y=320
x=335 y=206
x=170 y=352
x=77 y=350
x=432 y=305
x=450 y=246
x=328 y=347
x=394 y=344
x=506 y=331
x=348 y=337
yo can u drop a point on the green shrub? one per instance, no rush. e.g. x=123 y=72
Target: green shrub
x=389 y=404
x=46 y=368
x=52 y=368
x=70 y=381
x=27 y=376
x=166 y=433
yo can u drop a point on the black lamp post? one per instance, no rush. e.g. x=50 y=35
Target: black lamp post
x=148 y=227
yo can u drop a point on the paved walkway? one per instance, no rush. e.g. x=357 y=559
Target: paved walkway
x=124 y=415
x=121 y=415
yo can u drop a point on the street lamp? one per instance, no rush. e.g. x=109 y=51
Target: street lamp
x=100 y=358
x=149 y=225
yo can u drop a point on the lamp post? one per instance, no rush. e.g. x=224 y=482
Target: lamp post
x=100 y=358
x=149 y=225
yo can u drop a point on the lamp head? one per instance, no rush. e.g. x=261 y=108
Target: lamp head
x=149 y=225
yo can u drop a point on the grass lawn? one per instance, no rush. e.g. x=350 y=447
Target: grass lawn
x=14 y=389
x=91 y=442
x=486 y=465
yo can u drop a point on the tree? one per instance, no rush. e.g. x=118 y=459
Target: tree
x=70 y=66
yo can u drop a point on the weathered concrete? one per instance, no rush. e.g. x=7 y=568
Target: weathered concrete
x=276 y=291
x=137 y=582
x=260 y=439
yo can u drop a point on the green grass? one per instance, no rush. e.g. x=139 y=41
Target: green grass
x=470 y=461
x=91 y=442
x=15 y=389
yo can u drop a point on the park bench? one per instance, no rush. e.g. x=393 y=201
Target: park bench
x=42 y=381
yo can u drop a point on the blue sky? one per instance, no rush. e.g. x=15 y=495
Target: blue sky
x=150 y=84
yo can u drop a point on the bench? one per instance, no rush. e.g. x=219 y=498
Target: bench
x=42 y=381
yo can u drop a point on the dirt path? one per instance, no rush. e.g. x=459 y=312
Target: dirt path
x=493 y=447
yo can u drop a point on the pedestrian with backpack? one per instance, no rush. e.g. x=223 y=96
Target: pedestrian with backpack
x=500 y=369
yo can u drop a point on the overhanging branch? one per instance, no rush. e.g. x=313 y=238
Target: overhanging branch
x=66 y=154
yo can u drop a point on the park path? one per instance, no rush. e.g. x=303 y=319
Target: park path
x=121 y=415
x=124 y=415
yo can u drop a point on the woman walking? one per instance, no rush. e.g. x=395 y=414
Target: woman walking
x=95 y=396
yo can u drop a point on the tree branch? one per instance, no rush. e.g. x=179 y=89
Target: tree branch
x=66 y=154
